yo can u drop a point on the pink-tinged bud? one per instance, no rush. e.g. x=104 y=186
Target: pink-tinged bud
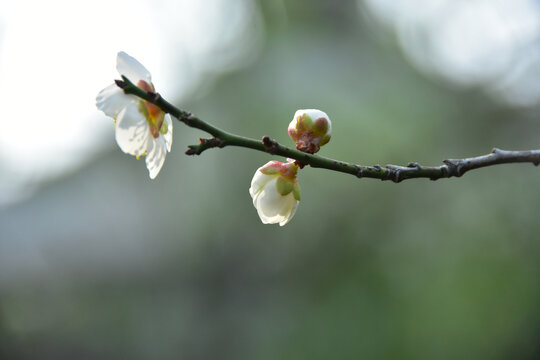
x=275 y=192
x=310 y=129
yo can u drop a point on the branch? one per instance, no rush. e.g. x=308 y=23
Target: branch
x=222 y=138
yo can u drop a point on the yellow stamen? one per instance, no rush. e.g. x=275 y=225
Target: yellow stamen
x=139 y=156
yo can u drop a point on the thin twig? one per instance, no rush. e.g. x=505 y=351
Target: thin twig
x=395 y=173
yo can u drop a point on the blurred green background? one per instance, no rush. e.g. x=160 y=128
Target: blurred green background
x=103 y=263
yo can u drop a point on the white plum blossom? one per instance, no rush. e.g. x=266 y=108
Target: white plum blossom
x=275 y=192
x=142 y=128
x=310 y=129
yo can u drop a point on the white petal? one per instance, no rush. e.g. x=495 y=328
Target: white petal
x=314 y=114
x=131 y=68
x=272 y=207
x=112 y=100
x=132 y=132
x=291 y=214
x=169 y=135
x=156 y=156
x=258 y=182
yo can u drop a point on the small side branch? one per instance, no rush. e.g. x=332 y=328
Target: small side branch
x=204 y=144
x=395 y=173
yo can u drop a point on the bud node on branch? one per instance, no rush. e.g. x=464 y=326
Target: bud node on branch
x=121 y=84
x=270 y=145
x=154 y=96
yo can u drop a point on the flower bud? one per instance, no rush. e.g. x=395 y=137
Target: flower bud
x=275 y=192
x=310 y=129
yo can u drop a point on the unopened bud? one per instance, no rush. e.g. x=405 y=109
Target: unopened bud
x=310 y=129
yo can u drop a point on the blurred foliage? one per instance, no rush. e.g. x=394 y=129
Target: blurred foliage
x=105 y=263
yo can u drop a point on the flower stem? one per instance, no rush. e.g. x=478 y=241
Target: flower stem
x=222 y=138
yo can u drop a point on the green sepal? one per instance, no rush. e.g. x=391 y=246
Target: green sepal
x=296 y=191
x=143 y=109
x=283 y=186
x=164 y=127
x=270 y=171
x=304 y=123
x=320 y=126
x=324 y=140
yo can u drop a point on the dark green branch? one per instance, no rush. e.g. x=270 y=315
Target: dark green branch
x=221 y=138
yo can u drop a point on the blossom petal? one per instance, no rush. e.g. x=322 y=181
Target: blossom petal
x=168 y=137
x=132 y=132
x=131 y=68
x=291 y=214
x=156 y=156
x=257 y=183
x=273 y=207
x=112 y=100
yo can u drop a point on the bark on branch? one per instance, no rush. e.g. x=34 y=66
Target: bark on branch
x=395 y=173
